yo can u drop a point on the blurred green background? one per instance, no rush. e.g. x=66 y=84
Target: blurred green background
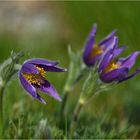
x=44 y=29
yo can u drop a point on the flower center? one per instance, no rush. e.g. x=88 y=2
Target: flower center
x=42 y=72
x=35 y=79
x=111 y=66
x=96 y=50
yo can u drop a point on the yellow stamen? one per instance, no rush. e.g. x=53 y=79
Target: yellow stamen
x=42 y=71
x=112 y=65
x=96 y=50
x=35 y=78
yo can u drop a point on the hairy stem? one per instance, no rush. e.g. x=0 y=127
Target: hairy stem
x=62 y=108
x=74 y=121
x=64 y=103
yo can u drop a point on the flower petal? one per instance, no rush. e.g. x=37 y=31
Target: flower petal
x=40 y=99
x=130 y=76
x=114 y=75
x=129 y=61
x=42 y=62
x=52 y=68
x=109 y=55
x=50 y=90
x=118 y=51
x=94 y=60
x=107 y=40
x=28 y=87
x=106 y=58
x=113 y=43
x=89 y=44
x=29 y=68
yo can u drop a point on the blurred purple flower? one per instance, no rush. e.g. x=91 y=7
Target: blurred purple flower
x=92 y=52
x=113 y=69
x=32 y=78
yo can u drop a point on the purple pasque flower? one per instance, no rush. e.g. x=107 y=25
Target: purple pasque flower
x=113 y=69
x=93 y=52
x=32 y=77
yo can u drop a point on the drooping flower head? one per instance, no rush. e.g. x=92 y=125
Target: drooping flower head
x=32 y=77
x=92 y=52
x=113 y=69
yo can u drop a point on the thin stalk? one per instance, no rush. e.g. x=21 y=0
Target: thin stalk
x=67 y=89
x=1 y=110
x=70 y=83
x=81 y=102
x=62 y=108
x=76 y=113
x=65 y=95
